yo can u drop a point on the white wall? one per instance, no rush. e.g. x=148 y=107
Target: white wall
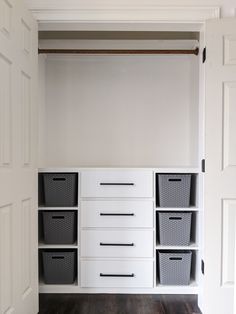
x=120 y=111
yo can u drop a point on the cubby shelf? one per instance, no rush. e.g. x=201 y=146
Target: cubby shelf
x=57 y=246
x=58 y=208
x=177 y=209
x=192 y=246
x=178 y=170
x=41 y=283
x=192 y=288
x=46 y=288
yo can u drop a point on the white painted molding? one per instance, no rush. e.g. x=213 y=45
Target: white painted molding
x=46 y=11
x=235 y=274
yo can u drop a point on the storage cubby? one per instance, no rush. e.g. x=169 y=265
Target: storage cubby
x=58 y=227
x=171 y=192
x=58 y=267
x=175 y=228
x=170 y=267
x=58 y=189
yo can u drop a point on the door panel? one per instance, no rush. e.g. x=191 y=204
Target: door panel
x=220 y=188
x=18 y=164
x=5 y=111
x=6 y=253
x=229 y=219
x=6 y=17
x=229 y=125
x=230 y=49
x=26 y=119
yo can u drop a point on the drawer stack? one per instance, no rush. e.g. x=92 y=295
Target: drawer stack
x=117 y=228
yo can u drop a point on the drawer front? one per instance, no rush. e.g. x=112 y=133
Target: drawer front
x=117 y=274
x=110 y=243
x=117 y=214
x=116 y=183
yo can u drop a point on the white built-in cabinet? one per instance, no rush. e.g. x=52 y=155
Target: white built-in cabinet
x=117 y=232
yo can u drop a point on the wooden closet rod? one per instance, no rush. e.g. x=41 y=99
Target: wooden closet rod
x=122 y=51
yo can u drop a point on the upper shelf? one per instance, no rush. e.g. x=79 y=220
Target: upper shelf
x=154 y=169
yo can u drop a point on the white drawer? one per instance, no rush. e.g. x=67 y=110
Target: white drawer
x=122 y=243
x=117 y=274
x=116 y=183
x=117 y=214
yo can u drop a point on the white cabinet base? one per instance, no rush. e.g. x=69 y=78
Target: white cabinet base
x=108 y=217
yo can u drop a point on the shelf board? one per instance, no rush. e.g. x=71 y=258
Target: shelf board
x=193 y=284
x=192 y=288
x=177 y=209
x=58 y=208
x=192 y=246
x=43 y=284
x=57 y=246
x=178 y=170
x=156 y=169
x=48 y=288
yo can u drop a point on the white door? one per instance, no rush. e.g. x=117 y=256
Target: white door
x=18 y=177
x=220 y=178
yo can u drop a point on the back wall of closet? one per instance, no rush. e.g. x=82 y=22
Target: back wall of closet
x=129 y=111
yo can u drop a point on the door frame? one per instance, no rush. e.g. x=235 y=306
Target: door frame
x=68 y=15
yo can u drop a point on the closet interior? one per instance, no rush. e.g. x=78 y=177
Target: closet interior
x=120 y=157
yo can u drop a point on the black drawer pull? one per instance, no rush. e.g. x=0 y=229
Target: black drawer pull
x=58 y=217
x=175 y=258
x=117 y=275
x=58 y=257
x=116 y=214
x=59 y=179
x=104 y=183
x=174 y=180
x=175 y=218
x=116 y=244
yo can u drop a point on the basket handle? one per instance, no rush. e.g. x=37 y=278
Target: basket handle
x=175 y=180
x=59 y=179
x=58 y=217
x=175 y=258
x=58 y=257
x=175 y=218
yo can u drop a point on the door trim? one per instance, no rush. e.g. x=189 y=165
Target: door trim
x=71 y=11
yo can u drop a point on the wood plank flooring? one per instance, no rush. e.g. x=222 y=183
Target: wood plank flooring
x=117 y=304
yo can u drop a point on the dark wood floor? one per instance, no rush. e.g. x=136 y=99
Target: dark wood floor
x=117 y=304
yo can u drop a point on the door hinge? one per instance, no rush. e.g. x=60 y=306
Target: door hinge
x=204 y=55
x=203 y=165
x=202 y=267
